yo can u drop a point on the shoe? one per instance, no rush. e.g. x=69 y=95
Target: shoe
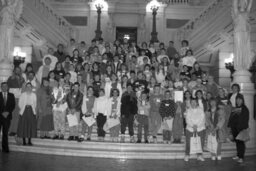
x=186 y=158
x=5 y=150
x=218 y=157
x=61 y=137
x=132 y=140
x=138 y=141
x=213 y=158
x=47 y=137
x=76 y=138
x=240 y=160
x=55 y=137
x=88 y=139
x=12 y=134
x=200 y=158
x=235 y=158
x=146 y=142
x=42 y=137
x=70 y=138
x=80 y=139
x=175 y=141
x=122 y=139
x=24 y=143
x=30 y=144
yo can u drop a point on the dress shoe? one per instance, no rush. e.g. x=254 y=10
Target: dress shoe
x=138 y=141
x=30 y=144
x=5 y=150
x=70 y=138
x=146 y=142
x=88 y=139
x=12 y=134
x=61 y=137
x=76 y=138
x=55 y=137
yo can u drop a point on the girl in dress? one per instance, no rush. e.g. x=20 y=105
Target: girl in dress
x=87 y=111
x=27 y=121
x=160 y=74
x=52 y=81
x=115 y=105
x=59 y=109
x=44 y=107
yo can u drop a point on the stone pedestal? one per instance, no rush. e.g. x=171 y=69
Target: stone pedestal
x=6 y=68
x=243 y=78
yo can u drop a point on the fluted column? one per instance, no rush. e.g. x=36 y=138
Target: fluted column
x=154 y=32
x=98 y=31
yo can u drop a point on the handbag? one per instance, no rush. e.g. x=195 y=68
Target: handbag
x=212 y=144
x=195 y=144
x=243 y=135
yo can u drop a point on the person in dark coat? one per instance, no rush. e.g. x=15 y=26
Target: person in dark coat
x=128 y=110
x=239 y=121
x=7 y=105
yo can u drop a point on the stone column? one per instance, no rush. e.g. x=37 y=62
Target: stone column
x=10 y=14
x=243 y=59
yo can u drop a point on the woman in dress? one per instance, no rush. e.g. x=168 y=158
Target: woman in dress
x=27 y=121
x=44 y=107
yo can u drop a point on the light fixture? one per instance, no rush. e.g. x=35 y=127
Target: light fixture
x=229 y=64
x=18 y=56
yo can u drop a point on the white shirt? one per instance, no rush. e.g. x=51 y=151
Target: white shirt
x=233 y=99
x=101 y=106
x=27 y=99
x=195 y=117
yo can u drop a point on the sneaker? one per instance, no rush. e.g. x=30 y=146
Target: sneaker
x=200 y=158
x=61 y=137
x=186 y=158
x=240 y=160
x=88 y=139
x=146 y=142
x=235 y=158
x=213 y=158
x=218 y=157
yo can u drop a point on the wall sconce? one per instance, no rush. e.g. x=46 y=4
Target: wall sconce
x=18 y=56
x=229 y=64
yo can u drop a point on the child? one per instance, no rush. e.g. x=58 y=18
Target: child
x=74 y=101
x=143 y=113
x=155 y=119
x=115 y=104
x=87 y=111
x=167 y=111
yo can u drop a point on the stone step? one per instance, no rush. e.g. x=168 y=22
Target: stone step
x=114 y=150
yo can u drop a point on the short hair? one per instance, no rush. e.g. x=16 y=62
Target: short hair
x=171 y=41
x=112 y=92
x=236 y=85
x=185 y=41
x=76 y=83
x=4 y=83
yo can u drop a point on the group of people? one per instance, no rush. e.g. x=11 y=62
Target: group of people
x=151 y=88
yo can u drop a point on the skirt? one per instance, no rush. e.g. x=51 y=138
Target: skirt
x=27 y=127
x=46 y=123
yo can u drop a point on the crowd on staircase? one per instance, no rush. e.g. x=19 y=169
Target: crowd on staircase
x=117 y=85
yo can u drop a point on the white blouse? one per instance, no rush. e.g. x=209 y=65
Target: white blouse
x=27 y=99
x=195 y=117
x=101 y=106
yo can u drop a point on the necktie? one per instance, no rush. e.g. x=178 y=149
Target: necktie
x=5 y=98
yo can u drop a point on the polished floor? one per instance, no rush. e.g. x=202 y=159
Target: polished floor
x=18 y=161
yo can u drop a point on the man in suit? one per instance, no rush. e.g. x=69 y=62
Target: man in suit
x=7 y=105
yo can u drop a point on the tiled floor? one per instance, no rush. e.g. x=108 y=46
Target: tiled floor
x=17 y=161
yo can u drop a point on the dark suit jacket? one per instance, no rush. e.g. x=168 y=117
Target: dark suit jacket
x=9 y=107
x=114 y=69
